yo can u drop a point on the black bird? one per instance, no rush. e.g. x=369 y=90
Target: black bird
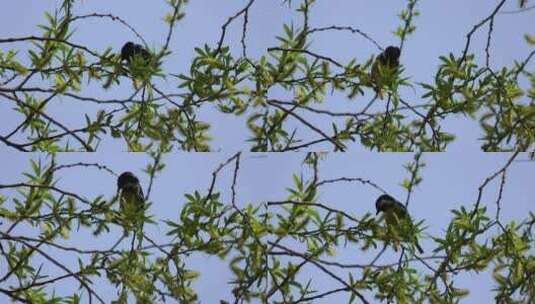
x=131 y=196
x=390 y=57
x=131 y=49
x=385 y=64
x=398 y=220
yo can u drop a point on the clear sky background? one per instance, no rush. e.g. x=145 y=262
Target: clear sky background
x=450 y=179
x=441 y=29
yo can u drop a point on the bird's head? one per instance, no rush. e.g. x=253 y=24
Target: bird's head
x=126 y=179
x=382 y=203
x=127 y=50
x=392 y=52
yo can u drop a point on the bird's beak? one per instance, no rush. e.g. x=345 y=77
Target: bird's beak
x=376 y=213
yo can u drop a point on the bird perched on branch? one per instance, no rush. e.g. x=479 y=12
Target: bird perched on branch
x=139 y=62
x=139 y=65
x=130 y=50
x=132 y=201
x=384 y=67
x=398 y=220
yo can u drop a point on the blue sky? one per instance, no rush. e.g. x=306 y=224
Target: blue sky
x=441 y=29
x=450 y=179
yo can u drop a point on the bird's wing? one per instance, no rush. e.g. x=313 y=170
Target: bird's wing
x=400 y=209
x=404 y=220
x=392 y=218
x=140 y=196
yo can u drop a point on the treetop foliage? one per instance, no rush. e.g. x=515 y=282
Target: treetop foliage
x=269 y=247
x=290 y=96
x=279 y=95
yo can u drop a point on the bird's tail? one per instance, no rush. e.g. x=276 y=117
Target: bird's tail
x=420 y=250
